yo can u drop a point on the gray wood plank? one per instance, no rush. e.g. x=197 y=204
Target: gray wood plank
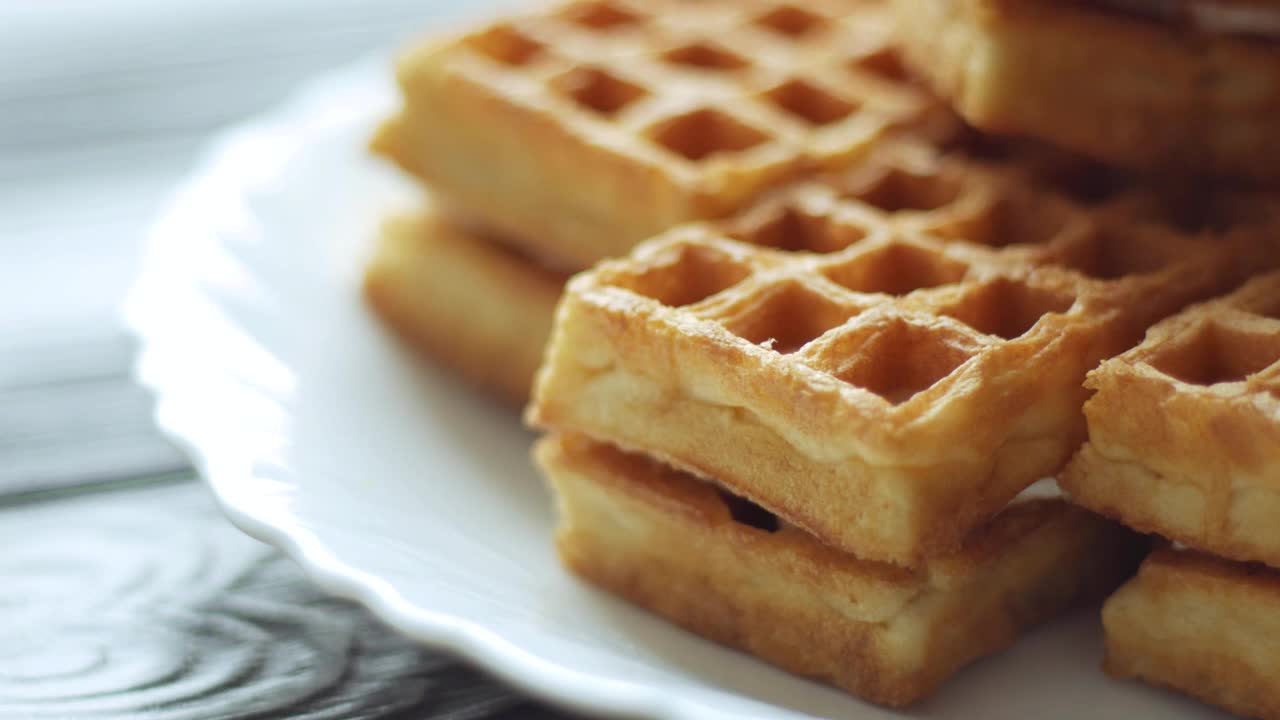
x=144 y=604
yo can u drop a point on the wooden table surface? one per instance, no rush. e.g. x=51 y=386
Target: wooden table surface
x=123 y=594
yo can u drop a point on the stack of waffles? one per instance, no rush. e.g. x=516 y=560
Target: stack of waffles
x=806 y=408
x=1183 y=430
x=1184 y=442
x=858 y=380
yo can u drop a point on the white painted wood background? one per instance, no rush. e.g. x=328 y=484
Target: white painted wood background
x=104 y=104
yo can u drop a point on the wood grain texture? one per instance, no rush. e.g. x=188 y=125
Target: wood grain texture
x=145 y=604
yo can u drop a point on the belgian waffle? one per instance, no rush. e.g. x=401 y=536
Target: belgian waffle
x=880 y=632
x=1184 y=430
x=1157 y=92
x=885 y=359
x=1204 y=626
x=588 y=126
x=460 y=296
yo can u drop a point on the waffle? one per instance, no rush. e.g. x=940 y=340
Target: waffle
x=458 y=296
x=1200 y=625
x=1126 y=89
x=1184 y=430
x=586 y=127
x=844 y=357
x=729 y=571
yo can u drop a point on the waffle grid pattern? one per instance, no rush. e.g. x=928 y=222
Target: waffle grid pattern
x=954 y=262
x=894 y=336
x=769 y=79
x=587 y=127
x=1224 y=349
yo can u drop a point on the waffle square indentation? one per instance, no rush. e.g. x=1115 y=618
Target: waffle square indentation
x=598 y=90
x=792 y=21
x=1214 y=354
x=883 y=62
x=899 y=359
x=683 y=274
x=895 y=189
x=703 y=133
x=705 y=56
x=787 y=318
x=602 y=16
x=897 y=269
x=1008 y=308
x=793 y=229
x=506 y=45
x=810 y=103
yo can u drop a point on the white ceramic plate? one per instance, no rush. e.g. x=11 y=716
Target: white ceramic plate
x=393 y=485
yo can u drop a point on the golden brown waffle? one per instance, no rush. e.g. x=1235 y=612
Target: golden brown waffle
x=885 y=388
x=1184 y=430
x=458 y=296
x=880 y=632
x=1200 y=625
x=1122 y=88
x=586 y=127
